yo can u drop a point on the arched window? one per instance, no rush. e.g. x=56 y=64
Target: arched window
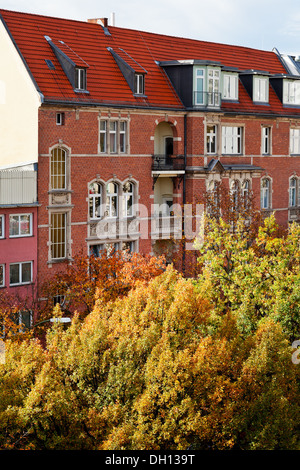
x=58 y=168
x=95 y=200
x=293 y=192
x=112 y=200
x=245 y=193
x=235 y=189
x=128 y=198
x=265 y=194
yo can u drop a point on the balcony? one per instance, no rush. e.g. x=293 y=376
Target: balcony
x=207 y=99
x=18 y=187
x=166 y=227
x=168 y=163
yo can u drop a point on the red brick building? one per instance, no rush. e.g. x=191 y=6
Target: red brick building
x=131 y=125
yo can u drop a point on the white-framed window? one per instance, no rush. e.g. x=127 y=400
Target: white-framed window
x=232 y=140
x=261 y=89
x=58 y=235
x=60 y=119
x=122 y=136
x=80 y=78
x=20 y=273
x=95 y=200
x=2 y=275
x=20 y=225
x=58 y=161
x=199 y=86
x=295 y=141
x=113 y=136
x=293 y=192
x=213 y=96
x=112 y=191
x=291 y=92
x=211 y=139
x=59 y=299
x=128 y=199
x=265 y=193
x=2 y=226
x=266 y=140
x=103 y=136
x=207 y=86
x=109 y=248
x=235 y=192
x=246 y=192
x=230 y=86
x=23 y=319
x=139 y=84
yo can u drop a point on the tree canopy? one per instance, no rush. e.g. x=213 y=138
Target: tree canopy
x=163 y=367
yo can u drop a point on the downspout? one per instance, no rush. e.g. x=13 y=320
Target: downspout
x=184 y=195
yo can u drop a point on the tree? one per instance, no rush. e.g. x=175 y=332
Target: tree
x=111 y=275
x=156 y=369
x=253 y=277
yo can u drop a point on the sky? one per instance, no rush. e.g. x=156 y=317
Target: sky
x=259 y=24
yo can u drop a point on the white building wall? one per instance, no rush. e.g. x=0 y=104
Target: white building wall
x=19 y=103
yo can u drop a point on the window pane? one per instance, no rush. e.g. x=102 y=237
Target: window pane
x=96 y=250
x=1 y=226
x=113 y=136
x=14 y=274
x=199 y=98
x=211 y=139
x=58 y=169
x=122 y=136
x=58 y=235
x=1 y=275
x=25 y=224
x=26 y=272
x=13 y=225
x=102 y=136
x=293 y=192
x=26 y=319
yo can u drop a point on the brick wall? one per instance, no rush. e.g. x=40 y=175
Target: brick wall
x=80 y=135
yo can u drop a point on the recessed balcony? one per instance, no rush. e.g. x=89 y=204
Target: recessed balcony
x=164 y=227
x=168 y=163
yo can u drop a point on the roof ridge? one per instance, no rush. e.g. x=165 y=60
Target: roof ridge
x=151 y=33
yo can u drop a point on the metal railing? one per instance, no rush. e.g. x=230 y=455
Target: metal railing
x=168 y=162
x=166 y=226
x=207 y=99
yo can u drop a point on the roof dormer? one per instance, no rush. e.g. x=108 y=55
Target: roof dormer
x=72 y=64
x=256 y=83
x=132 y=71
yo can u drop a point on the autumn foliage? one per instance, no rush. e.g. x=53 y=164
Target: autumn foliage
x=157 y=361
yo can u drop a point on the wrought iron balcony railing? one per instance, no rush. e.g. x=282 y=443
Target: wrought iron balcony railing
x=207 y=99
x=166 y=227
x=168 y=162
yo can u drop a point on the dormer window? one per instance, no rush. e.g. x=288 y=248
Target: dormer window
x=139 y=84
x=291 y=92
x=80 y=78
x=207 y=87
x=230 y=86
x=260 y=89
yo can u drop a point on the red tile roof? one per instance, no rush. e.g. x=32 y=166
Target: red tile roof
x=86 y=43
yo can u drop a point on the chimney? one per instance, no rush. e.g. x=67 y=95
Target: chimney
x=102 y=21
x=113 y=19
